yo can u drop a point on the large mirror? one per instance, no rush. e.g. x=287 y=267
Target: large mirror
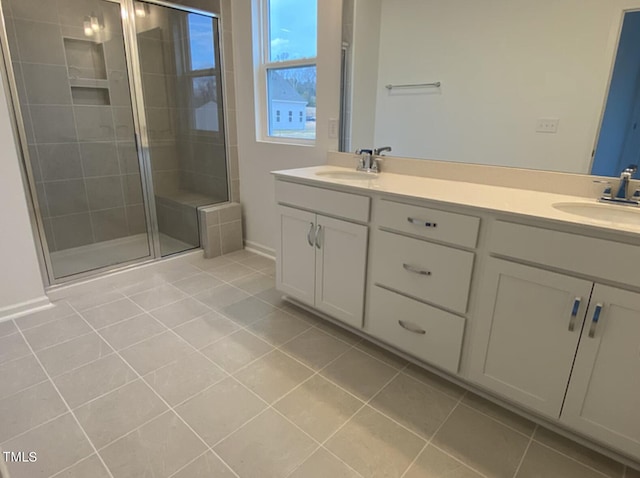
x=547 y=84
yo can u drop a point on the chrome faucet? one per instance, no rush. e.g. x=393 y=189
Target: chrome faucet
x=623 y=196
x=367 y=161
x=370 y=159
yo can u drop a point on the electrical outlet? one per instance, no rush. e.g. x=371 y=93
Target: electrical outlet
x=334 y=125
x=547 y=125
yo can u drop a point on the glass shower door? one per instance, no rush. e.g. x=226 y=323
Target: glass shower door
x=70 y=66
x=179 y=57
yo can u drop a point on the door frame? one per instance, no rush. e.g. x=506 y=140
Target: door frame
x=141 y=139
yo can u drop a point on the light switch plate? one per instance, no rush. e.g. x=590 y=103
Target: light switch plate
x=333 y=128
x=547 y=125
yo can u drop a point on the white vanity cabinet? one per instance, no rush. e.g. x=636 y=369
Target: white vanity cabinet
x=603 y=399
x=321 y=259
x=537 y=344
x=528 y=327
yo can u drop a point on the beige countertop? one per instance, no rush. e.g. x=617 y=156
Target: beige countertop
x=533 y=204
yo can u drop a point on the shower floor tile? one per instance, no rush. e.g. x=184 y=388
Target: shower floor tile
x=222 y=378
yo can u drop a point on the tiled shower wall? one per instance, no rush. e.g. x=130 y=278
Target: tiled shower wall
x=82 y=153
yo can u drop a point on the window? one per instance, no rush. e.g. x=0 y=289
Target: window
x=288 y=70
x=201 y=69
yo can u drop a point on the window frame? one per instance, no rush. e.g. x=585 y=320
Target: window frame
x=215 y=72
x=262 y=66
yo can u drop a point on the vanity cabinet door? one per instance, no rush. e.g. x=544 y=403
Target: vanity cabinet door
x=341 y=263
x=295 y=268
x=603 y=399
x=528 y=328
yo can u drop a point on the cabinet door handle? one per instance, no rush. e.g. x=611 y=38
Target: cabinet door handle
x=594 y=320
x=574 y=313
x=415 y=270
x=421 y=222
x=411 y=328
x=309 y=239
x=318 y=231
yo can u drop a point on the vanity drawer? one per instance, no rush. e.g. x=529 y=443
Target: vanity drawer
x=324 y=201
x=598 y=258
x=437 y=274
x=433 y=224
x=427 y=333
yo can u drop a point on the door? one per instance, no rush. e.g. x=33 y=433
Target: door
x=341 y=257
x=72 y=81
x=529 y=324
x=181 y=78
x=603 y=399
x=295 y=270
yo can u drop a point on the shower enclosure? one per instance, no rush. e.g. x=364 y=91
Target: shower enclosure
x=120 y=117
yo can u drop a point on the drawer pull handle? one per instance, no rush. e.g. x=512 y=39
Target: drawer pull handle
x=318 y=231
x=411 y=328
x=415 y=270
x=420 y=222
x=309 y=239
x=595 y=320
x=574 y=313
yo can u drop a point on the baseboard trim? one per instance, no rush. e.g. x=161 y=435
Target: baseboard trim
x=260 y=249
x=25 y=308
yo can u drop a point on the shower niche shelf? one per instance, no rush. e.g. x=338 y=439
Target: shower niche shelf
x=85 y=59
x=88 y=95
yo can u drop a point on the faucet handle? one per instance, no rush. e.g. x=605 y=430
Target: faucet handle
x=607 y=189
x=379 y=151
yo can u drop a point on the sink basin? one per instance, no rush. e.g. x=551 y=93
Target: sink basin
x=612 y=214
x=348 y=175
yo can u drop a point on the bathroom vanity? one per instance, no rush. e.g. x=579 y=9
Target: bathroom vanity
x=530 y=296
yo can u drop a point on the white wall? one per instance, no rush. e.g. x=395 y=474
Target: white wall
x=20 y=279
x=258 y=158
x=503 y=64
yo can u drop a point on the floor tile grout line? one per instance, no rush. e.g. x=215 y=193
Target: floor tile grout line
x=124 y=297
x=24 y=389
x=366 y=402
x=102 y=395
x=320 y=447
x=119 y=322
x=524 y=454
x=431 y=386
x=570 y=457
x=70 y=411
x=20 y=329
x=49 y=420
x=497 y=420
x=60 y=473
x=430 y=440
x=208 y=450
x=170 y=408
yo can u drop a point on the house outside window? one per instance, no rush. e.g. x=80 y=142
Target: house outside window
x=288 y=70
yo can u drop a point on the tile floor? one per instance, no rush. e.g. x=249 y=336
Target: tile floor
x=200 y=370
